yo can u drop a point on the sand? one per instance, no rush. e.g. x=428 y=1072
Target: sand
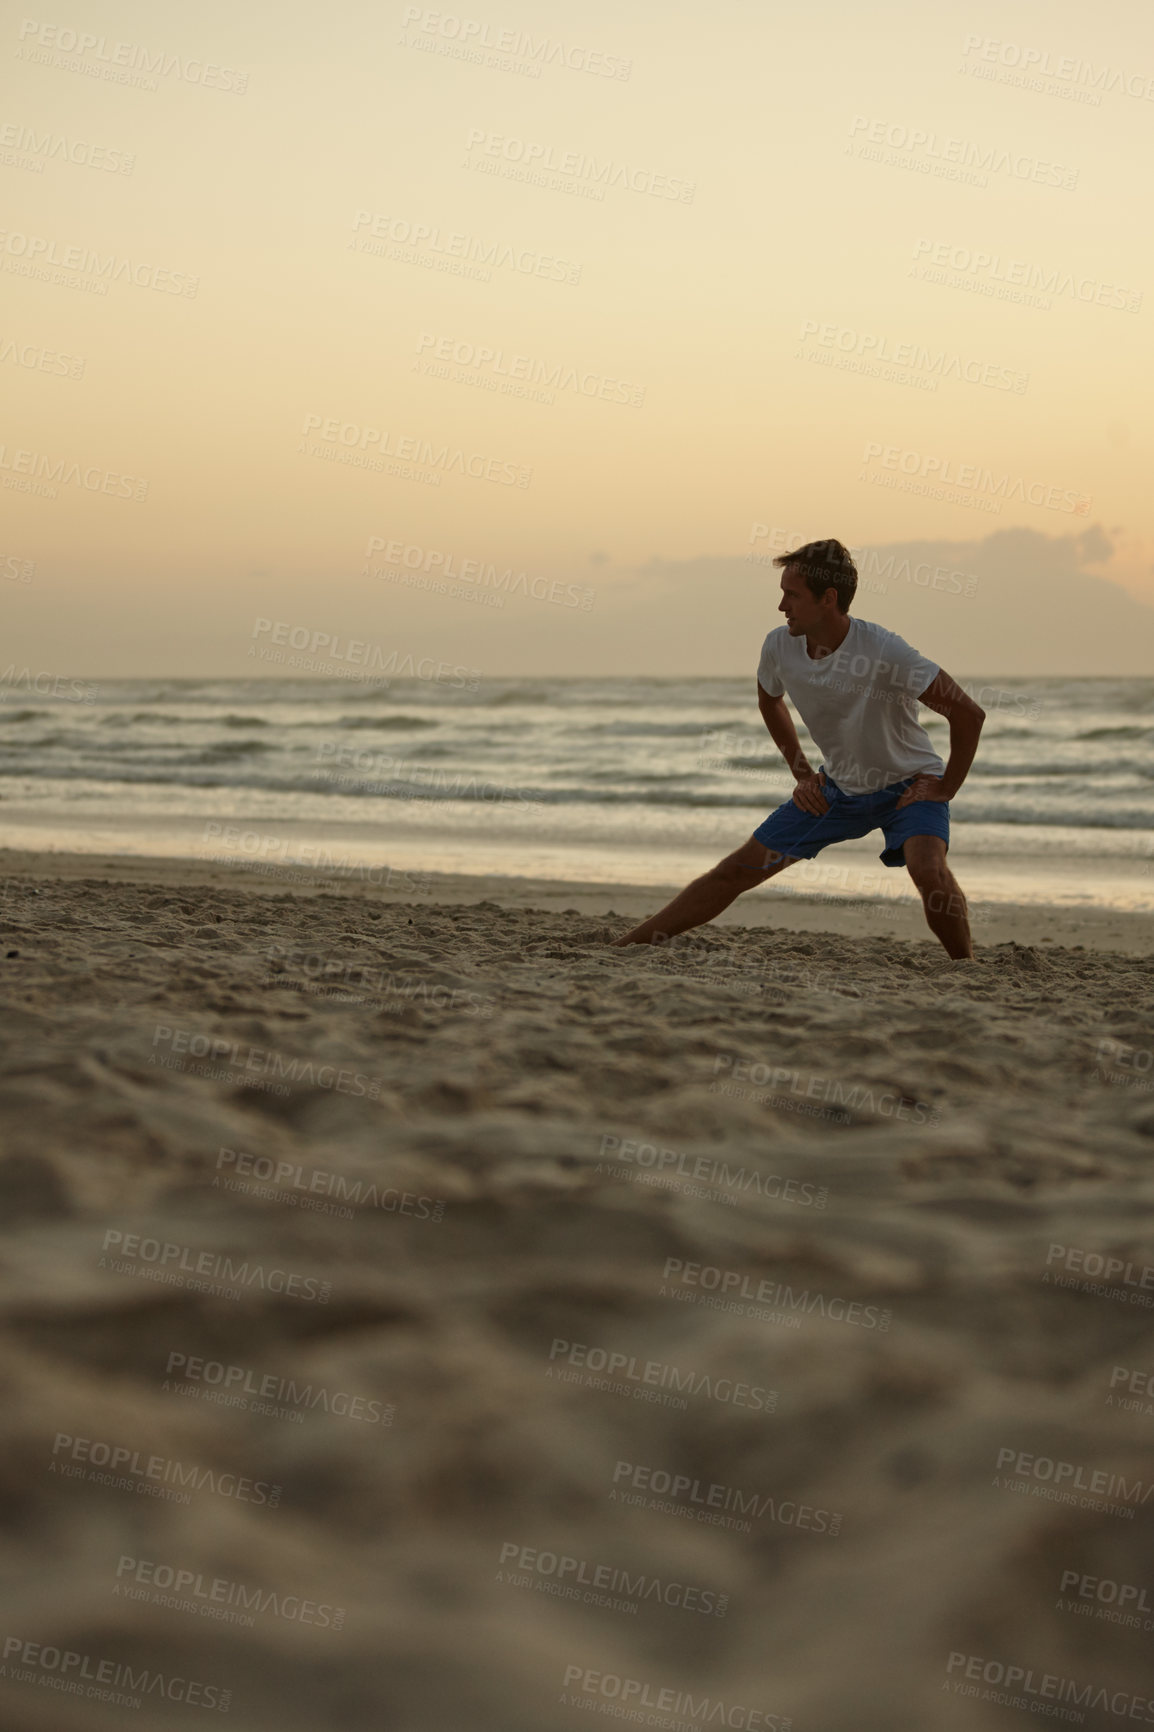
x=497 y=1328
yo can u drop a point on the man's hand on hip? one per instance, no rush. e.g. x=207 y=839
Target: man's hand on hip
x=810 y=794
x=923 y=788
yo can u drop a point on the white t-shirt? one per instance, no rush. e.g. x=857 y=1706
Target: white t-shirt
x=860 y=703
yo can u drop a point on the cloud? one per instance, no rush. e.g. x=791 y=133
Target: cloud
x=1016 y=602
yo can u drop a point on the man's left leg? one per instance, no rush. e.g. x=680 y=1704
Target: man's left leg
x=942 y=899
x=712 y=893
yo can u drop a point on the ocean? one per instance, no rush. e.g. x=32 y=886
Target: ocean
x=643 y=781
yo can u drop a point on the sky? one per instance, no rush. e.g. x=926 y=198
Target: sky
x=530 y=333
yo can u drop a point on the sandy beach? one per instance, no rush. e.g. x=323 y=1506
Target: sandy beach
x=424 y=1315
x=467 y=476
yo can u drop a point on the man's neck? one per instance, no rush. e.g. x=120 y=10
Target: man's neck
x=824 y=639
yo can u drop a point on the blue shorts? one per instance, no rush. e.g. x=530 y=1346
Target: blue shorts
x=799 y=834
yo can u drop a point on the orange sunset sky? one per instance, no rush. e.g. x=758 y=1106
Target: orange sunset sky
x=309 y=311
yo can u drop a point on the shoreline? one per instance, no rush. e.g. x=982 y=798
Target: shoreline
x=993 y=923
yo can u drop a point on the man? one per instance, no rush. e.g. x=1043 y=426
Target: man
x=857 y=688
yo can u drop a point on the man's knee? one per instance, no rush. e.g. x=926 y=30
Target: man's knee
x=733 y=875
x=927 y=865
x=745 y=869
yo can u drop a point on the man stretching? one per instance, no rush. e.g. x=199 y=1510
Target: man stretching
x=857 y=688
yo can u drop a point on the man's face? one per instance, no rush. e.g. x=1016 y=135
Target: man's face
x=801 y=608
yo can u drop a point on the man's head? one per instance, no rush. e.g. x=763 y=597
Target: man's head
x=818 y=581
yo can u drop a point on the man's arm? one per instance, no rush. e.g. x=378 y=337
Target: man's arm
x=775 y=714
x=965 y=718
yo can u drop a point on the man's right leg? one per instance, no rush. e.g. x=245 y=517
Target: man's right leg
x=708 y=895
